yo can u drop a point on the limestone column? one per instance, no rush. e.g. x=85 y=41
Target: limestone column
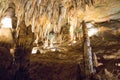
x=88 y=63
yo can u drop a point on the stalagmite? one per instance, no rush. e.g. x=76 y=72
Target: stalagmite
x=46 y=30
x=17 y=29
x=88 y=63
x=95 y=61
x=36 y=32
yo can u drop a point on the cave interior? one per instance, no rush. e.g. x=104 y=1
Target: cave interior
x=59 y=39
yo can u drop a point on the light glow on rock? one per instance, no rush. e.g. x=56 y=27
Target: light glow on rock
x=6 y=22
x=35 y=50
x=91 y=29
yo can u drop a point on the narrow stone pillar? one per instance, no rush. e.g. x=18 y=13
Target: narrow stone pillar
x=88 y=63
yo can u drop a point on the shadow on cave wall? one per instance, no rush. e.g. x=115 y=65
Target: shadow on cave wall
x=14 y=67
x=22 y=61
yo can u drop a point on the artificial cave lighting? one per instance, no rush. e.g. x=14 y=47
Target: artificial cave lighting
x=53 y=49
x=6 y=22
x=91 y=29
x=35 y=50
x=117 y=64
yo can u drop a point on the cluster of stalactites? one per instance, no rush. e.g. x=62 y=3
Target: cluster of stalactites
x=3 y=7
x=47 y=15
x=54 y=10
x=53 y=14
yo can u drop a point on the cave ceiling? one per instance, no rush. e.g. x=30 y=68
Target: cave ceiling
x=58 y=12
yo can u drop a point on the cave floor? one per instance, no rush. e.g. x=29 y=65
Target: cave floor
x=68 y=64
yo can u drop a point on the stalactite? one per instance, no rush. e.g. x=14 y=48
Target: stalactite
x=92 y=2
x=61 y=18
x=49 y=11
x=72 y=19
x=28 y=18
x=36 y=31
x=38 y=2
x=41 y=36
x=95 y=60
x=17 y=29
x=33 y=24
x=3 y=7
x=62 y=11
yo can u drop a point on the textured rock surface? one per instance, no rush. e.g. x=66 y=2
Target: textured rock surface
x=46 y=67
